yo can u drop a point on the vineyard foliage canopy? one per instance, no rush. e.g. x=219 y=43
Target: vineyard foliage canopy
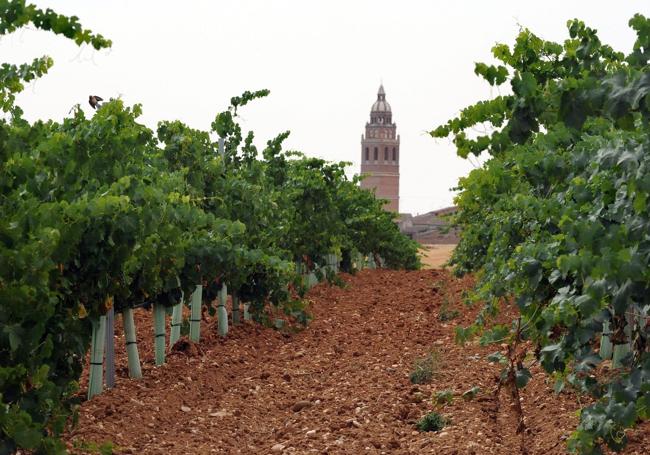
x=103 y=212
x=557 y=221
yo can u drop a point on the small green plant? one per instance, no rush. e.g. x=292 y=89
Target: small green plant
x=106 y=448
x=185 y=327
x=340 y=282
x=439 y=285
x=425 y=368
x=444 y=397
x=431 y=422
x=447 y=314
x=470 y=394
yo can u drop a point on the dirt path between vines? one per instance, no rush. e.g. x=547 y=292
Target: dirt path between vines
x=341 y=386
x=434 y=256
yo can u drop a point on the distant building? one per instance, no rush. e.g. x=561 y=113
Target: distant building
x=380 y=153
x=429 y=228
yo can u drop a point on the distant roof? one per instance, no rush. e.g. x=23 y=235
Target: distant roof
x=445 y=211
x=433 y=217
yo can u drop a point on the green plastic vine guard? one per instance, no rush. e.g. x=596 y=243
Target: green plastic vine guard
x=95 y=381
x=619 y=353
x=175 y=324
x=195 y=314
x=159 y=333
x=312 y=280
x=360 y=262
x=222 y=313
x=605 y=350
x=332 y=263
x=110 y=348
x=301 y=270
x=236 y=310
x=135 y=370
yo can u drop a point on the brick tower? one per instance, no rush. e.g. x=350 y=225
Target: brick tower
x=380 y=153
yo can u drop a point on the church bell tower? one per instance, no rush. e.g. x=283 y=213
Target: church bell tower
x=380 y=153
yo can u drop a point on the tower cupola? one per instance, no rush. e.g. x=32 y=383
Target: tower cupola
x=380 y=112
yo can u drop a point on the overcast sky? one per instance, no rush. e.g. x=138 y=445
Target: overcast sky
x=322 y=60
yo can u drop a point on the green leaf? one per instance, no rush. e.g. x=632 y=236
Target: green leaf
x=528 y=86
x=14 y=334
x=522 y=376
x=641 y=203
x=497 y=334
x=497 y=357
x=26 y=436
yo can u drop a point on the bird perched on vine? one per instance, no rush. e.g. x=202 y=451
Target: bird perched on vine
x=94 y=101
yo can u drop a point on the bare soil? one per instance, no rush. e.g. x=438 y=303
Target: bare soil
x=340 y=386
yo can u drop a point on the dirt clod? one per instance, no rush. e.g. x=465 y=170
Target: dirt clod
x=300 y=405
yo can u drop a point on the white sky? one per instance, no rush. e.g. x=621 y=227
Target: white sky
x=322 y=60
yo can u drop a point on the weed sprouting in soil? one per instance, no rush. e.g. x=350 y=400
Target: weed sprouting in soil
x=445 y=313
x=106 y=448
x=425 y=368
x=431 y=422
x=470 y=394
x=437 y=286
x=443 y=397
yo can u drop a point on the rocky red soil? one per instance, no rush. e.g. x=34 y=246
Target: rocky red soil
x=340 y=386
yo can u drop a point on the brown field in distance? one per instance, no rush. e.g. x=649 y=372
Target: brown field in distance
x=435 y=256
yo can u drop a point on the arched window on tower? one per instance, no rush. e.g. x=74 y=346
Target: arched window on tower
x=386 y=154
x=394 y=154
x=376 y=154
x=368 y=154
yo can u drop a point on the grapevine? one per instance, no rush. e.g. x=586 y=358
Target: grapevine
x=556 y=222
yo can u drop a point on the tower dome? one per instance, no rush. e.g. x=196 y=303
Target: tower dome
x=381 y=105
